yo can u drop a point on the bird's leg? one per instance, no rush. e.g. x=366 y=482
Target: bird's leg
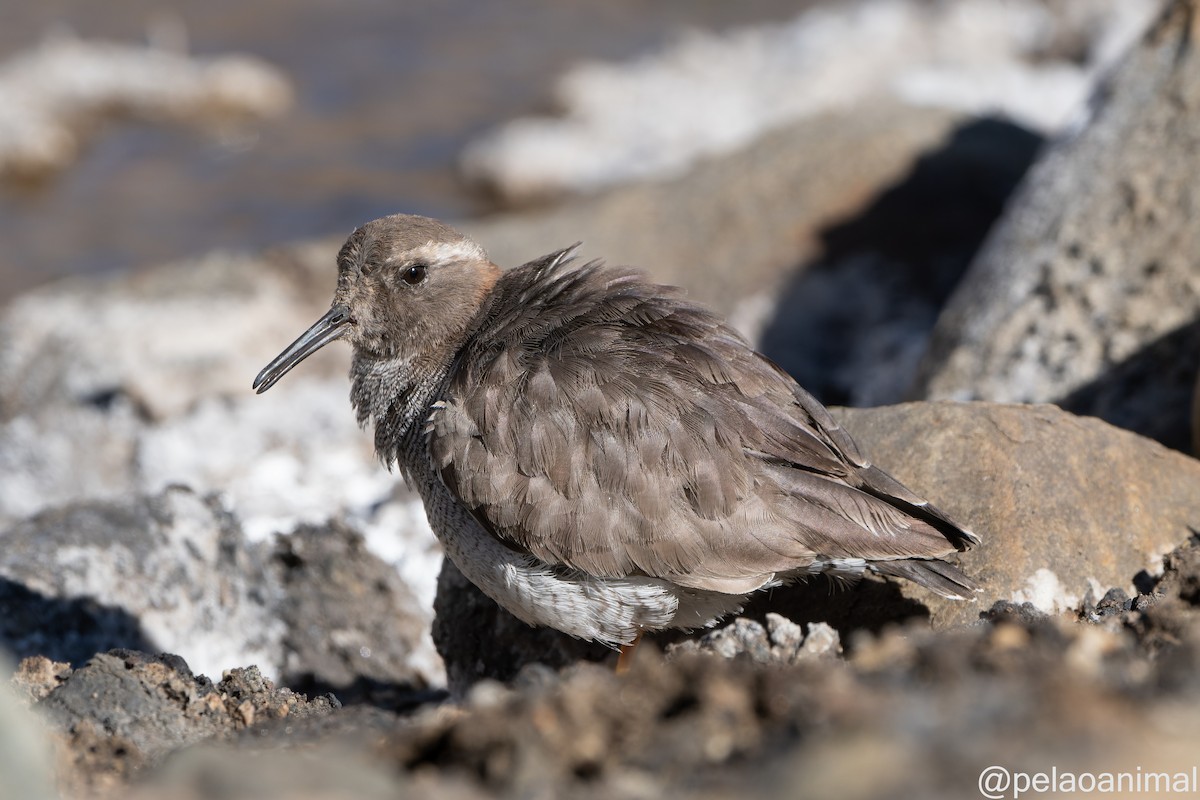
x=625 y=659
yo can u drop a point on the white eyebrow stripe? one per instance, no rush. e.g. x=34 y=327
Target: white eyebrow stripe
x=440 y=252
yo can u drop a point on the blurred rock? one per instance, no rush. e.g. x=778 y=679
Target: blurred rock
x=353 y=627
x=1196 y=414
x=710 y=95
x=851 y=325
x=111 y=387
x=38 y=676
x=760 y=209
x=55 y=94
x=912 y=712
x=1088 y=293
x=124 y=711
x=781 y=641
x=174 y=572
x=1066 y=506
x=174 y=564
x=25 y=759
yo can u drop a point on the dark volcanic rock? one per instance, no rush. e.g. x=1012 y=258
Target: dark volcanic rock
x=1088 y=292
x=353 y=627
x=125 y=710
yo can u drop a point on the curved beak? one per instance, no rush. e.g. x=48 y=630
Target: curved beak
x=325 y=330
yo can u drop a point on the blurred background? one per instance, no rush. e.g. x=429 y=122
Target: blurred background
x=896 y=200
x=384 y=97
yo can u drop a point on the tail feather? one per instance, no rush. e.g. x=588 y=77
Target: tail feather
x=935 y=575
x=875 y=481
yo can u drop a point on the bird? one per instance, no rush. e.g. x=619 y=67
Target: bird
x=597 y=453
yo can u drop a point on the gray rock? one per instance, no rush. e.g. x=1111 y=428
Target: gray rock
x=1088 y=292
x=124 y=711
x=168 y=572
x=136 y=697
x=353 y=627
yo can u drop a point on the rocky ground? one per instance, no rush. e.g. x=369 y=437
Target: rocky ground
x=211 y=594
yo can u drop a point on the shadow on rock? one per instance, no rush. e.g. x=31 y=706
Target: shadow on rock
x=1150 y=392
x=851 y=327
x=869 y=605
x=397 y=697
x=71 y=629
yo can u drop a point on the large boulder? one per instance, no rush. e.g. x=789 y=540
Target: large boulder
x=1088 y=292
x=1067 y=506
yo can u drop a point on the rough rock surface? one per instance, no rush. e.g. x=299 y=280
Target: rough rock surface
x=170 y=572
x=125 y=710
x=909 y=712
x=1067 y=507
x=174 y=572
x=1088 y=292
x=353 y=626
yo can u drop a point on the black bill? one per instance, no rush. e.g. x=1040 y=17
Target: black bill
x=325 y=330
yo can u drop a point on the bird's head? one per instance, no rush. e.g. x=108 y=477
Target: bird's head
x=407 y=287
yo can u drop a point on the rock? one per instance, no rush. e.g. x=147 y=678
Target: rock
x=852 y=325
x=1088 y=293
x=125 y=710
x=760 y=209
x=1066 y=506
x=122 y=386
x=25 y=759
x=353 y=627
x=780 y=642
x=912 y=712
x=148 y=337
x=38 y=676
x=1196 y=415
x=173 y=572
x=170 y=571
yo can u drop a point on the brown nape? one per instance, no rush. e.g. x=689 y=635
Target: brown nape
x=575 y=430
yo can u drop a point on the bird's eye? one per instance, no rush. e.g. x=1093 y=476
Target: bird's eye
x=414 y=274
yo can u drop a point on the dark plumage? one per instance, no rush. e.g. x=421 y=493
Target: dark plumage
x=597 y=453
